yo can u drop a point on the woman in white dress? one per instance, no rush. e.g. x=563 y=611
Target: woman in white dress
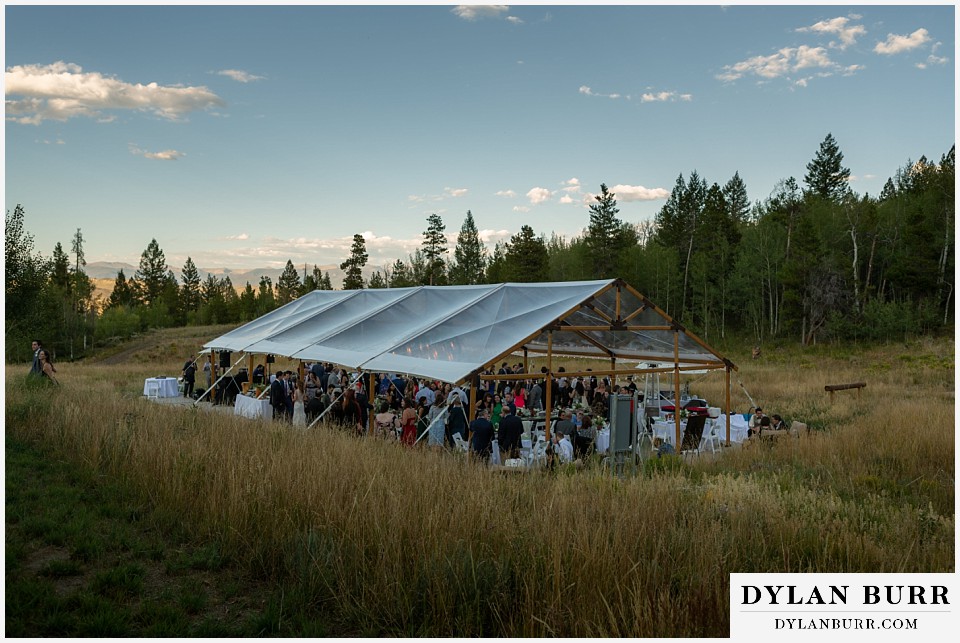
x=299 y=414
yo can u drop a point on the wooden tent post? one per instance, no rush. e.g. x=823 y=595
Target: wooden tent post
x=249 y=371
x=676 y=385
x=727 y=377
x=548 y=409
x=371 y=399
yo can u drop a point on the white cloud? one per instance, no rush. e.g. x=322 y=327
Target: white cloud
x=514 y=20
x=521 y=208
x=490 y=237
x=243 y=236
x=663 y=97
x=898 y=44
x=61 y=91
x=239 y=75
x=785 y=62
x=539 y=195
x=589 y=92
x=628 y=193
x=165 y=155
x=506 y=193
x=566 y=199
x=455 y=192
x=933 y=60
x=848 y=34
x=475 y=12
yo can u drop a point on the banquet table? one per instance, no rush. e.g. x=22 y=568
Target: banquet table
x=251 y=407
x=168 y=386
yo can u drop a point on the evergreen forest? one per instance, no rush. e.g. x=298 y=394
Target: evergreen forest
x=812 y=262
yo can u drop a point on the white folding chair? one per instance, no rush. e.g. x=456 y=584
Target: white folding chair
x=711 y=439
x=153 y=389
x=460 y=443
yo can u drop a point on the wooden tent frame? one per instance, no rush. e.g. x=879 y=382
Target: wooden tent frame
x=618 y=323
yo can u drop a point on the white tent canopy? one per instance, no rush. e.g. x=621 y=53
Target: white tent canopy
x=452 y=332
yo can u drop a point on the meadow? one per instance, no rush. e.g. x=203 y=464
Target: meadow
x=358 y=536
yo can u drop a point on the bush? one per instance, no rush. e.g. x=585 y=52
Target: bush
x=120 y=322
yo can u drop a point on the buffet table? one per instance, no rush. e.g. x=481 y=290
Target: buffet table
x=165 y=386
x=251 y=407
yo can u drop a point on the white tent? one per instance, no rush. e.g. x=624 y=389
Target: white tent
x=451 y=333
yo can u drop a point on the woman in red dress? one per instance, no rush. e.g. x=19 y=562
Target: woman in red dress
x=408 y=422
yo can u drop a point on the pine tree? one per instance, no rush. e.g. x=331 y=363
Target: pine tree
x=353 y=266
x=469 y=255
x=190 y=288
x=497 y=266
x=325 y=282
x=288 y=285
x=150 y=278
x=60 y=274
x=526 y=257
x=826 y=177
x=735 y=195
x=400 y=275
x=434 y=247
x=266 y=301
x=122 y=294
x=606 y=236
x=377 y=280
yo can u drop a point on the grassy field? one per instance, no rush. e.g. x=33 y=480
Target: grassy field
x=142 y=519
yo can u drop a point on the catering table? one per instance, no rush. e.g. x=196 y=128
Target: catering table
x=167 y=386
x=251 y=407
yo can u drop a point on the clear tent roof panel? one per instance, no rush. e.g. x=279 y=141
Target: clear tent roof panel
x=329 y=320
x=471 y=336
x=379 y=331
x=286 y=316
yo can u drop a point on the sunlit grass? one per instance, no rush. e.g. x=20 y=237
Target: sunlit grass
x=387 y=540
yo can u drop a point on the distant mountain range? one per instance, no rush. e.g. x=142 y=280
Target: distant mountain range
x=103 y=272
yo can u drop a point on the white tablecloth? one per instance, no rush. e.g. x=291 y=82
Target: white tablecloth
x=250 y=407
x=603 y=440
x=667 y=431
x=738 y=428
x=168 y=386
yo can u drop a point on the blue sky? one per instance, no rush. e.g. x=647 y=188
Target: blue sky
x=244 y=136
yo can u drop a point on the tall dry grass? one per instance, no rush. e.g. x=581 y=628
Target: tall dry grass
x=397 y=541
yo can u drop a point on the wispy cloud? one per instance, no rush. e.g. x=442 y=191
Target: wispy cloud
x=506 y=193
x=243 y=236
x=839 y=27
x=477 y=11
x=448 y=193
x=539 y=195
x=896 y=44
x=783 y=63
x=664 y=97
x=61 y=91
x=521 y=208
x=589 y=92
x=239 y=75
x=165 y=155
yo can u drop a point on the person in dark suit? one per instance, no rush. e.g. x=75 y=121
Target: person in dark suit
x=37 y=346
x=510 y=434
x=481 y=440
x=278 y=396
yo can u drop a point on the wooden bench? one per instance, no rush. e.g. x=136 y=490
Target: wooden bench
x=832 y=388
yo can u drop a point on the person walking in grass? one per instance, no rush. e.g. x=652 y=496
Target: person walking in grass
x=36 y=368
x=47 y=369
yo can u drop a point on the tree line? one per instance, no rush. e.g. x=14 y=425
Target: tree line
x=812 y=262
